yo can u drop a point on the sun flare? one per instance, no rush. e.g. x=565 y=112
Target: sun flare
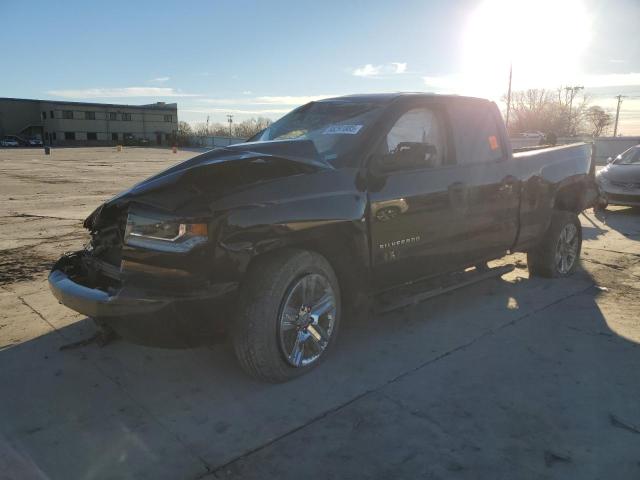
x=545 y=41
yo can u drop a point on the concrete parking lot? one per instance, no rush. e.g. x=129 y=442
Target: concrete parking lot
x=513 y=378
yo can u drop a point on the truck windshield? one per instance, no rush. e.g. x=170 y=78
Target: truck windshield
x=335 y=128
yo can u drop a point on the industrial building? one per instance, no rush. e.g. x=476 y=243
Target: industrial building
x=79 y=123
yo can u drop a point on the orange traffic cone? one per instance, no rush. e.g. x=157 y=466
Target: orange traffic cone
x=174 y=149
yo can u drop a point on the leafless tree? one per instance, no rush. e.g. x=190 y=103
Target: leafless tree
x=250 y=127
x=547 y=111
x=598 y=119
x=196 y=134
x=201 y=130
x=184 y=133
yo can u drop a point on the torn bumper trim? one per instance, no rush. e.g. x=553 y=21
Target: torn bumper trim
x=94 y=302
x=97 y=303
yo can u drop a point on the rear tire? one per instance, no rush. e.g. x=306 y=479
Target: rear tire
x=558 y=253
x=274 y=338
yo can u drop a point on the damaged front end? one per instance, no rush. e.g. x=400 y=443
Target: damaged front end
x=144 y=296
x=155 y=270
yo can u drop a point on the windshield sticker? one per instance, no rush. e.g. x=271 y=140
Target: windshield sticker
x=342 y=130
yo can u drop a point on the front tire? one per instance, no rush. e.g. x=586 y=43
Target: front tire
x=558 y=253
x=288 y=315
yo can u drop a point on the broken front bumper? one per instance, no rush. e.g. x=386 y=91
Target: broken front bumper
x=148 y=316
x=620 y=197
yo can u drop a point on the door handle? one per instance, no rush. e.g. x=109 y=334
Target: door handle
x=507 y=183
x=509 y=180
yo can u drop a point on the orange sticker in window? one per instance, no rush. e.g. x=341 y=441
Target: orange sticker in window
x=493 y=142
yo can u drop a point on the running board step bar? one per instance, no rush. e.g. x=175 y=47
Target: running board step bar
x=420 y=291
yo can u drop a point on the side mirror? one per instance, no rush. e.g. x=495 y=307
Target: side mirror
x=610 y=160
x=407 y=155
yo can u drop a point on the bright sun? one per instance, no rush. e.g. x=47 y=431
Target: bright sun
x=545 y=40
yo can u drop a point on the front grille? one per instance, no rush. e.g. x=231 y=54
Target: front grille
x=626 y=185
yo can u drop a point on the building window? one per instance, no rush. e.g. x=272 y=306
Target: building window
x=92 y=135
x=126 y=117
x=44 y=115
x=67 y=114
x=51 y=114
x=112 y=115
x=114 y=136
x=89 y=115
x=69 y=135
x=54 y=135
x=168 y=118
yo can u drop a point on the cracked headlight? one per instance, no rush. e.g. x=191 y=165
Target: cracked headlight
x=164 y=234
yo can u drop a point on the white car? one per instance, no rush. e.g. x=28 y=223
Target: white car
x=619 y=181
x=531 y=135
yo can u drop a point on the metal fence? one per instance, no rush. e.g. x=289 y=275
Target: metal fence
x=213 y=142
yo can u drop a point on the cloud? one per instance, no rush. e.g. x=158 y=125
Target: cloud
x=487 y=85
x=400 y=67
x=612 y=79
x=441 y=83
x=240 y=111
x=125 y=92
x=161 y=79
x=369 y=70
x=267 y=100
x=269 y=105
x=290 y=100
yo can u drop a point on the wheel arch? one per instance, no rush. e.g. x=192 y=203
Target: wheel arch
x=571 y=195
x=343 y=245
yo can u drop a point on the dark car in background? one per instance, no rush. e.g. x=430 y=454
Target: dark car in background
x=9 y=142
x=619 y=181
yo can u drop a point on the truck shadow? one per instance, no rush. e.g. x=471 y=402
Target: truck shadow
x=625 y=220
x=541 y=347
x=590 y=229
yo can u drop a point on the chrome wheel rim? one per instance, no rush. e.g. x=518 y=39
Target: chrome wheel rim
x=307 y=319
x=567 y=248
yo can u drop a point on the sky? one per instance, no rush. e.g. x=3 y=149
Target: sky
x=258 y=58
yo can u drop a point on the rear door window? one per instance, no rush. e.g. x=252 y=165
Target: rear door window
x=476 y=133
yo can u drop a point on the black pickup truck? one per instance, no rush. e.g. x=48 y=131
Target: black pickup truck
x=277 y=240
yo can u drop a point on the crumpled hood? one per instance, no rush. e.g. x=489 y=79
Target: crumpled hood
x=622 y=173
x=195 y=183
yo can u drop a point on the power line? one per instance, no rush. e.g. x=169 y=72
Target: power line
x=509 y=95
x=615 y=125
x=572 y=93
x=230 y=120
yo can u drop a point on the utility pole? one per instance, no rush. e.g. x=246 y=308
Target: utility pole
x=615 y=125
x=509 y=95
x=572 y=93
x=230 y=120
